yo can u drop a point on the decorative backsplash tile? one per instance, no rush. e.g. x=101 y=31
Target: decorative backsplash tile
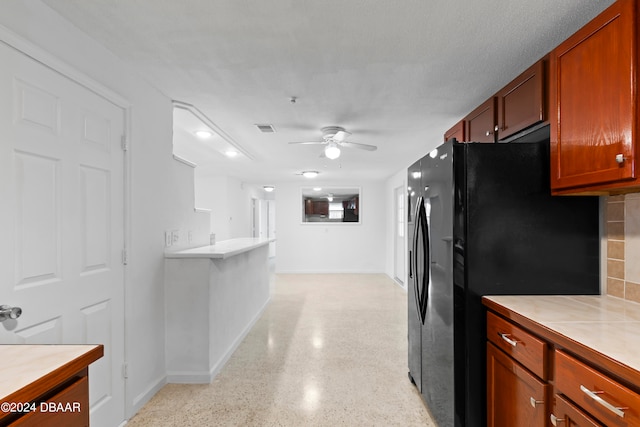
x=623 y=244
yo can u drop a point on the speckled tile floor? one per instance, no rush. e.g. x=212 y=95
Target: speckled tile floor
x=329 y=350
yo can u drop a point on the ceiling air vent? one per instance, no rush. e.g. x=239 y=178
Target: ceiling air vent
x=266 y=128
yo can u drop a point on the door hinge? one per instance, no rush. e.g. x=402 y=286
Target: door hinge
x=124 y=143
x=125 y=369
x=125 y=258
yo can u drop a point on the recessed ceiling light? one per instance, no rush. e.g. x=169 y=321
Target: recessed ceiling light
x=317 y=188
x=269 y=188
x=231 y=153
x=204 y=134
x=310 y=174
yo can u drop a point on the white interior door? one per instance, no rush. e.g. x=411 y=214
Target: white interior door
x=61 y=186
x=399 y=232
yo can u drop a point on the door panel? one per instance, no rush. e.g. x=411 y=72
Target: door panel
x=61 y=167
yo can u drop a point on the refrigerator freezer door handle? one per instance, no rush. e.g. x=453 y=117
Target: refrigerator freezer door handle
x=410 y=265
x=414 y=260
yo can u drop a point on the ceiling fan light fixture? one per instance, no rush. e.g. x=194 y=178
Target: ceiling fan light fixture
x=310 y=174
x=332 y=151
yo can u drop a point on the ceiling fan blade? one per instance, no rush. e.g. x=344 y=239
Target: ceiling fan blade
x=340 y=136
x=309 y=142
x=358 y=145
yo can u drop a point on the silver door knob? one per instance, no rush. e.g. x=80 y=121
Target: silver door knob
x=620 y=158
x=8 y=312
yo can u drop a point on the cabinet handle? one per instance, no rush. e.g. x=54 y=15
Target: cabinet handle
x=489 y=133
x=555 y=420
x=619 y=411
x=505 y=337
x=620 y=158
x=535 y=402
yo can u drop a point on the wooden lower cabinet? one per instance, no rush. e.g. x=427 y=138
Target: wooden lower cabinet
x=578 y=389
x=69 y=407
x=515 y=396
x=566 y=414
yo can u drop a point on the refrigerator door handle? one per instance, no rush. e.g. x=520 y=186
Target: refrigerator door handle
x=426 y=245
x=414 y=260
x=410 y=264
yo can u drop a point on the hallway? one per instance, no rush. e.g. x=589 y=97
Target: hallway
x=330 y=349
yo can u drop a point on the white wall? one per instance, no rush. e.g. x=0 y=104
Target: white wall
x=331 y=248
x=157 y=199
x=229 y=200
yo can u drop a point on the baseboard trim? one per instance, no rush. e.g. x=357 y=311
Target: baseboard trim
x=144 y=397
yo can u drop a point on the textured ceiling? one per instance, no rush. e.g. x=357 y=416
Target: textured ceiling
x=396 y=74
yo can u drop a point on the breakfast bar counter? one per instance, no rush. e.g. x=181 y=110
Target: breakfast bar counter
x=214 y=295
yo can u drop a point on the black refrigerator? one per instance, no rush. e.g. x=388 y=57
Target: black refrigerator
x=482 y=222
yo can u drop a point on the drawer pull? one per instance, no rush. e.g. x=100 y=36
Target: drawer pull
x=505 y=337
x=594 y=395
x=555 y=420
x=535 y=402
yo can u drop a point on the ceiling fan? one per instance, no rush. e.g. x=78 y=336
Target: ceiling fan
x=334 y=137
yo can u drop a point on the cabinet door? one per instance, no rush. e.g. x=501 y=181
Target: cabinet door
x=321 y=208
x=481 y=122
x=566 y=414
x=515 y=397
x=457 y=132
x=594 y=98
x=521 y=102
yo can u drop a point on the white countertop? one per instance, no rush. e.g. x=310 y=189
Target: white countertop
x=223 y=249
x=608 y=325
x=22 y=365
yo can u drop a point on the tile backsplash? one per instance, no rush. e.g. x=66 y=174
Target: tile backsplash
x=623 y=246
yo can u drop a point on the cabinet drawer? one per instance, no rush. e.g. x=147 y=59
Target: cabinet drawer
x=607 y=400
x=527 y=349
x=566 y=414
x=70 y=408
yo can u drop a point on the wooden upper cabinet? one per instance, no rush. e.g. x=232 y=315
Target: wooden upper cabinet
x=521 y=103
x=481 y=122
x=593 y=90
x=457 y=132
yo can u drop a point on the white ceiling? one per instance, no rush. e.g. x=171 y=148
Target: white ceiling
x=395 y=74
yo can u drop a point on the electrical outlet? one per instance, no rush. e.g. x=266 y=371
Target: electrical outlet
x=175 y=237
x=167 y=239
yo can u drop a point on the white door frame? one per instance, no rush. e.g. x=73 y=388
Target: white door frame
x=26 y=47
x=399 y=276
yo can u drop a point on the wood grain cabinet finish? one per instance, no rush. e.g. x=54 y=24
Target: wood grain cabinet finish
x=594 y=97
x=565 y=414
x=457 y=132
x=515 y=397
x=521 y=104
x=519 y=344
x=595 y=392
x=481 y=122
x=45 y=416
